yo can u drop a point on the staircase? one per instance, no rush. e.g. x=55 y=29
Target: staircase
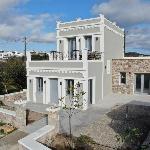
x=36 y=125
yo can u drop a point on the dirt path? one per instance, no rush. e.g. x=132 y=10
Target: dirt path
x=10 y=142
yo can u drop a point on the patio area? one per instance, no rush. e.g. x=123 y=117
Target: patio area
x=120 y=99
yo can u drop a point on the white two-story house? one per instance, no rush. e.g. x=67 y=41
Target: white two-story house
x=84 y=52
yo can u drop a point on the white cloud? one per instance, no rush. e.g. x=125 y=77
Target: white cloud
x=134 y=15
x=138 y=37
x=6 y=4
x=125 y=12
x=14 y=25
x=43 y=37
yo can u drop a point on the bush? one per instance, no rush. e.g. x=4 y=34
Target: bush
x=12 y=76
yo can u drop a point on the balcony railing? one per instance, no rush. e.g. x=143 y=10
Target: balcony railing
x=75 y=55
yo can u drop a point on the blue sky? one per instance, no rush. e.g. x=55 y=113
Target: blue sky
x=36 y=19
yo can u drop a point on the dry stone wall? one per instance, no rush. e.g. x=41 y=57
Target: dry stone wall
x=8 y=99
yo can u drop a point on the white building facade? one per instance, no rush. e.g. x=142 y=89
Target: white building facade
x=84 y=52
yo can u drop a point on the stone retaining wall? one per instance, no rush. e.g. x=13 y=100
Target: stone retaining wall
x=8 y=116
x=130 y=66
x=8 y=99
x=17 y=118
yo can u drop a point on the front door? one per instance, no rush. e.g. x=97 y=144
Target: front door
x=142 y=83
x=54 y=91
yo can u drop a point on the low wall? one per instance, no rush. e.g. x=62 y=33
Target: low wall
x=30 y=142
x=35 y=140
x=17 y=118
x=8 y=116
x=8 y=99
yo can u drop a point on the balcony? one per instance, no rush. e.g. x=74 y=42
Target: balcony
x=59 y=56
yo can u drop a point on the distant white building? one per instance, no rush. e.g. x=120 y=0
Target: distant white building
x=7 y=54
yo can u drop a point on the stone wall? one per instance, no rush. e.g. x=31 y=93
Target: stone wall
x=8 y=99
x=20 y=117
x=17 y=118
x=8 y=116
x=130 y=66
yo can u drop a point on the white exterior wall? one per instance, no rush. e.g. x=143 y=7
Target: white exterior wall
x=107 y=38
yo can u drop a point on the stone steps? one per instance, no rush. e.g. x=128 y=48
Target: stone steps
x=36 y=125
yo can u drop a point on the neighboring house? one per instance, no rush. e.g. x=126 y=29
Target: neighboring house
x=7 y=54
x=85 y=49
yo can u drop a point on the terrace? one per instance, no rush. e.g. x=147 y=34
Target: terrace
x=75 y=55
x=58 y=60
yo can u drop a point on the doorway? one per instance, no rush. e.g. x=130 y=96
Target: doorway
x=142 y=83
x=54 y=91
x=71 y=47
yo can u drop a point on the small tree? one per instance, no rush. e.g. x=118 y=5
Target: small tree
x=75 y=94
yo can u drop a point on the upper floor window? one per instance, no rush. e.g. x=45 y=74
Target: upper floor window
x=123 y=77
x=40 y=84
x=88 y=42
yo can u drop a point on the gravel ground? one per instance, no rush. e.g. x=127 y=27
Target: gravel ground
x=105 y=129
x=101 y=132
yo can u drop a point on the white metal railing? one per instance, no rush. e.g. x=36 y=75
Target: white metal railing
x=75 y=55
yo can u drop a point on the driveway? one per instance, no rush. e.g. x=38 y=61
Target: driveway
x=10 y=142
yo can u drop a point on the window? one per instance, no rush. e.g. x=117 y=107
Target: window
x=40 y=84
x=123 y=77
x=69 y=87
x=71 y=46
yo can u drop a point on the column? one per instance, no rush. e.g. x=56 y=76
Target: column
x=28 y=55
x=77 y=43
x=78 y=40
x=84 y=59
x=61 y=90
x=28 y=88
x=46 y=90
x=82 y=40
x=75 y=85
x=58 y=45
x=93 y=43
x=65 y=48
x=34 y=89
x=50 y=56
